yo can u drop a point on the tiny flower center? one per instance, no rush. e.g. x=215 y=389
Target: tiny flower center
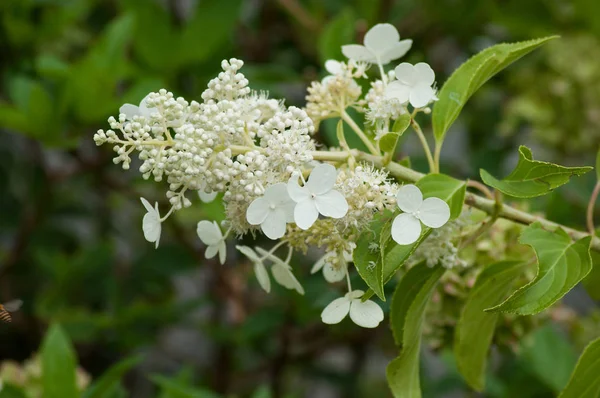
x=313 y=195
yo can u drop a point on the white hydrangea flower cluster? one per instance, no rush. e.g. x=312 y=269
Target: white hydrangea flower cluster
x=259 y=154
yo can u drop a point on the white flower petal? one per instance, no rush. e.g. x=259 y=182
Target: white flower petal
x=398 y=90
x=406 y=74
x=130 y=111
x=336 y=311
x=358 y=53
x=332 y=204
x=288 y=211
x=354 y=294
x=434 y=212
x=396 y=51
x=406 y=229
x=305 y=214
x=211 y=251
x=207 y=197
x=277 y=194
x=151 y=227
x=319 y=264
x=367 y=314
x=296 y=192
x=332 y=66
x=421 y=95
x=258 y=211
x=381 y=37
x=334 y=274
x=209 y=232
x=285 y=278
x=274 y=224
x=409 y=198
x=147 y=205
x=248 y=252
x=222 y=252
x=424 y=73
x=262 y=276
x=322 y=179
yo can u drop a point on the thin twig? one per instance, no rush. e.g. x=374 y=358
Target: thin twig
x=481 y=188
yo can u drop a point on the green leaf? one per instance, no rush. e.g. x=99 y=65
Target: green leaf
x=532 y=178
x=470 y=76
x=475 y=328
x=585 y=380
x=448 y=189
x=111 y=379
x=367 y=259
x=388 y=142
x=58 y=365
x=561 y=265
x=592 y=280
x=177 y=390
x=406 y=316
x=336 y=33
x=10 y=391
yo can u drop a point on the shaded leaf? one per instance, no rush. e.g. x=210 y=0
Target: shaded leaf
x=470 y=76
x=175 y=389
x=561 y=265
x=475 y=328
x=406 y=317
x=337 y=32
x=110 y=380
x=585 y=380
x=58 y=365
x=532 y=178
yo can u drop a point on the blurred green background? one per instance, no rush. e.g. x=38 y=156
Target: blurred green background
x=71 y=244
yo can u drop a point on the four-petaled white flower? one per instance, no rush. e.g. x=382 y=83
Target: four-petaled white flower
x=433 y=212
x=131 y=110
x=317 y=196
x=206 y=197
x=151 y=223
x=366 y=314
x=332 y=273
x=210 y=234
x=272 y=211
x=382 y=45
x=413 y=84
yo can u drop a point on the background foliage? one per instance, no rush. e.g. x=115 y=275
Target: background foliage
x=171 y=324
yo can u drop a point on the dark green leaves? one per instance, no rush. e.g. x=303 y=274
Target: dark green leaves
x=585 y=380
x=532 y=178
x=475 y=327
x=337 y=32
x=406 y=316
x=110 y=381
x=388 y=142
x=470 y=76
x=58 y=365
x=561 y=265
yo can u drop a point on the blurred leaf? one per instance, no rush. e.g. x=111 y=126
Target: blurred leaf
x=585 y=380
x=592 y=280
x=475 y=328
x=388 y=142
x=110 y=380
x=532 y=178
x=337 y=32
x=261 y=392
x=470 y=76
x=598 y=165
x=406 y=317
x=9 y=391
x=549 y=356
x=562 y=263
x=58 y=365
x=177 y=390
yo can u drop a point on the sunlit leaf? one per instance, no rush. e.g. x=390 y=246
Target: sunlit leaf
x=562 y=264
x=532 y=178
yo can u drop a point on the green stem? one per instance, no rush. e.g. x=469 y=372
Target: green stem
x=436 y=155
x=425 y=144
x=345 y=117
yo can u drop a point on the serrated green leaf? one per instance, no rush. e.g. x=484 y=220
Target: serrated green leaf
x=388 y=142
x=367 y=258
x=475 y=328
x=58 y=365
x=561 y=265
x=406 y=317
x=470 y=76
x=105 y=386
x=585 y=379
x=532 y=178
x=337 y=32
